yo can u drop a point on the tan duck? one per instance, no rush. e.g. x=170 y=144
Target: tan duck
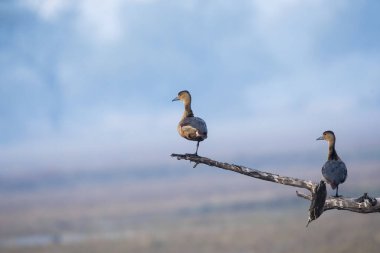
x=190 y=127
x=334 y=170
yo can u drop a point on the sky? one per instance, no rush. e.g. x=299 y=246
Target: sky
x=88 y=84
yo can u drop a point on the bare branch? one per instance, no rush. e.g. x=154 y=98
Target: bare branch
x=303 y=195
x=363 y=204
x=267 y=176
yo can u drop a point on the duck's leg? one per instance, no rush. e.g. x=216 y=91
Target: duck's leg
x=196 y=152
x=336 y=193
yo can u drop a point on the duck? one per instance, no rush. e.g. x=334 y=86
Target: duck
x=334 y=170
x=190 y=127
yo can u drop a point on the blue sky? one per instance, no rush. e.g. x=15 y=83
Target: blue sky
x=88 y=84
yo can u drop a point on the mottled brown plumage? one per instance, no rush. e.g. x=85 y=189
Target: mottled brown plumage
x=190 y=127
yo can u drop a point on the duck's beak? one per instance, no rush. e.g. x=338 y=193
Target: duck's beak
x=175 y=99
x=320 y=138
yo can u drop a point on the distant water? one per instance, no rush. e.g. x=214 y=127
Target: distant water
x=26 y=241
x=49 y=239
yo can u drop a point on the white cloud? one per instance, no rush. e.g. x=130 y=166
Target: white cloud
x=48 y=9
x=325 y=88
x=289 y=30
x=275 y=9
x=100 y=139
x=102 y=20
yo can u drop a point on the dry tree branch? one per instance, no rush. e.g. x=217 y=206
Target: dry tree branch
x=363 y=204
x=319 y=202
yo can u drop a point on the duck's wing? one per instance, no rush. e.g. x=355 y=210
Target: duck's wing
x=194 y=128
x=335 y=172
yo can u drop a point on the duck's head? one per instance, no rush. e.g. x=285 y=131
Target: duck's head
x=184 y=96
x=327 y=136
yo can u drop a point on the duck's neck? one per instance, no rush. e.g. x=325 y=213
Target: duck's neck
x=188 y=112
x=332 y=152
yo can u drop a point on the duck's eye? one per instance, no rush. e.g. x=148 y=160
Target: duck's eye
x=324 y=133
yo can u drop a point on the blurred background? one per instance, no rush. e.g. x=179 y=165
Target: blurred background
x=87 y=125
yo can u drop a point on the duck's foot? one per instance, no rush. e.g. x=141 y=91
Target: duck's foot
x=193 y=155
x=189 y=154
x=336 y=196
